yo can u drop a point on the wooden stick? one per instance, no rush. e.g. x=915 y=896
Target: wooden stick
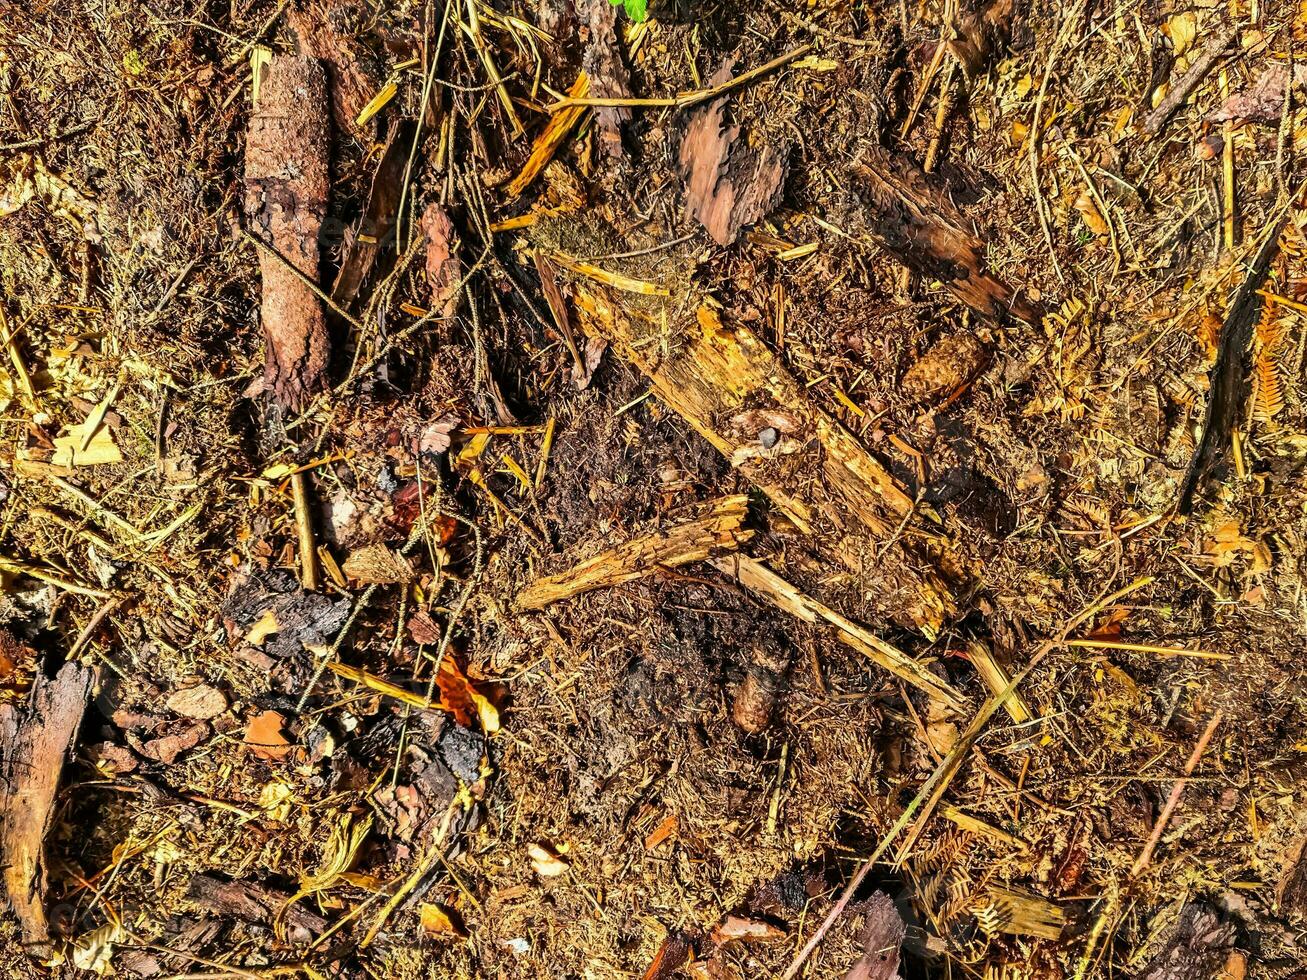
x=1148 y=648
x=689 y=98
x=310 y=576
x=1173 y=800
x=714 y=527
x=758 y=578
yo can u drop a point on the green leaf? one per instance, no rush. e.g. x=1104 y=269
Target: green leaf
x=637 y=10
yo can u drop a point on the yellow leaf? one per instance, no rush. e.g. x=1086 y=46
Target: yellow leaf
x=1182 y=29
x=437 y=922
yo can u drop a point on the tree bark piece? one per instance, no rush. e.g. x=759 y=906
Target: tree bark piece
x=34 y=741
x=761 y=580
x=727 y=384
x=729 y=182
x=286 y=186
x=716 y=526
x=882 y=941
x=352 y=69
x=377 y=224
x=913 y=218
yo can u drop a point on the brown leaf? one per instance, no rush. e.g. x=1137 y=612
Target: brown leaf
x=266 y=738
x=671 y=955
x=423 y=629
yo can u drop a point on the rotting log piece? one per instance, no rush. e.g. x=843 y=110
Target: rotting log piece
x=911 y=215
x=286 y=185
x=35 y=739
x=712 y=529
x=725 y=382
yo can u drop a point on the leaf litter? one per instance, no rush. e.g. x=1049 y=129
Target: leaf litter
x=615 y=490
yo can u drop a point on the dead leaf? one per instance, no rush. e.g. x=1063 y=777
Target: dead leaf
x=266 y=738
x=546 y=861
x=439 y=922
x=376 y=564
x=423 y=629
x=1090 y=215
x=462 y=700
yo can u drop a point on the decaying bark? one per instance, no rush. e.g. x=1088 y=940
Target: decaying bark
x=444 y=267
x=609 y=78
x=255 y=904
x=34 y=741
x=911 y=216
x=713 y=528
x=352 y=68
x=286 y=185
x=1194 y=948
x=882 y=941
x=729 y=183
x=980 y=34
x=730 y=387
x=763 y=582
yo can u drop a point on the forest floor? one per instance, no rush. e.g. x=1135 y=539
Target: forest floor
x=510 y=489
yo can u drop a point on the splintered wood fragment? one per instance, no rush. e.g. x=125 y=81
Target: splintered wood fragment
x=727 y=384
x=761 y=580
x=286 y=186
x=715 y=527
x=730 y=180
x=378 y=221
x=914 y=219
x=551 y=137
x=1215 y=50
x=996 y=679
x=608 y=74
x=310 y=576
x=352 y=69
x=1019 y=913
x=35 y=739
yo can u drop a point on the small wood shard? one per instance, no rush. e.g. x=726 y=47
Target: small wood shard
x=717 y=378
x=35 y=739
x=286 y=187
x=715 y=527
x=761 y=580
x=253 y=903
x=1216 y=49
x=353 y=72
x=729 y=182
x=546 y=144
x=915 y=220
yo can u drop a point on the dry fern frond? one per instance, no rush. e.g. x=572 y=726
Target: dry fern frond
x=1268 y=386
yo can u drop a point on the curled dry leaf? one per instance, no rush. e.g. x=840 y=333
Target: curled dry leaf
x=546 y=861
